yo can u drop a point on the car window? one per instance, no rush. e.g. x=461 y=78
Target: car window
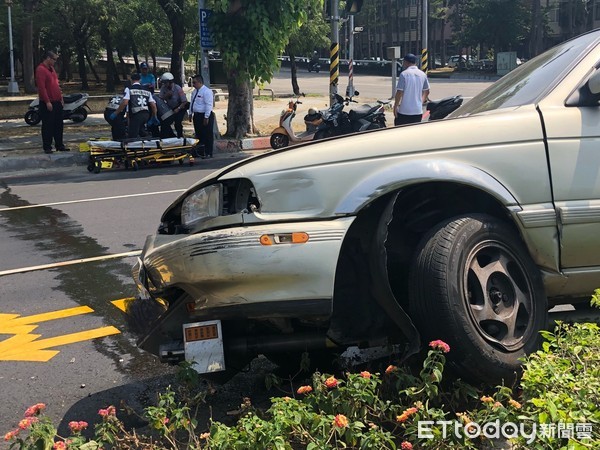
x=526 y=84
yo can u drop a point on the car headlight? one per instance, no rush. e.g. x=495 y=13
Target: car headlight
x=203 y=204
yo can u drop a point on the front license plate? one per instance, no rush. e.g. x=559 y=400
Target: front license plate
x=203 y=345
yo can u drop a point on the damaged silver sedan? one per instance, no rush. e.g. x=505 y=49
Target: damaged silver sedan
x=467 y=230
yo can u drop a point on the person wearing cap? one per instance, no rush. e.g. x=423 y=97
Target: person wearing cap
x=148 y=81
x=412 y=92
x=140 y=105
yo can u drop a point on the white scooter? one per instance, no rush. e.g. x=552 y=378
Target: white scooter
x=284 y=133
x=74 y=109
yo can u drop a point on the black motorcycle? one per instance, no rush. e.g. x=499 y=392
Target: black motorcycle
x=441 y=108
x=337 y=122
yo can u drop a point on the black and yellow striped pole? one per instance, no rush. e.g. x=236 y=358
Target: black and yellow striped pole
x=424 y=55
x=424 y=60
x=334 y=52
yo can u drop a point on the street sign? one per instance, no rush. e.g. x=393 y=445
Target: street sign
x=206 y=40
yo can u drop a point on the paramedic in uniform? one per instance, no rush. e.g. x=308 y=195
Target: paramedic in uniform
x=201 y=113
x=140 y=107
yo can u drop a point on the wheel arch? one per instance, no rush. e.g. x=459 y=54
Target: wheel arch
x=405 y=174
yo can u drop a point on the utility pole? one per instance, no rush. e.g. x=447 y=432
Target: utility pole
x=334 y=51
x=13 y=87
x=424 y=52
x=351 y=56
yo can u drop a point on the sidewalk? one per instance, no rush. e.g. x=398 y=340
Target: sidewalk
x=21 y=147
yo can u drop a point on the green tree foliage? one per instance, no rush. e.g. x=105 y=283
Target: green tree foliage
x=251 y=34
x=313 y=34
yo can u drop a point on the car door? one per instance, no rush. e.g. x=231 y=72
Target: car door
x=573 y=140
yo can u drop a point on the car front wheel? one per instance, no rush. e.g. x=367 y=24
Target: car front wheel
x=474 y=285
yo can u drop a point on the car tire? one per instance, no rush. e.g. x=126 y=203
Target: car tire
x=474 y=285
x=32 y=117
x=279 y=140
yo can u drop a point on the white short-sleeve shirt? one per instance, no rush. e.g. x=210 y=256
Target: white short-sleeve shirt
x=412 y=82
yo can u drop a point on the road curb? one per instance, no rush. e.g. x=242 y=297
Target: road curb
x=40 y=160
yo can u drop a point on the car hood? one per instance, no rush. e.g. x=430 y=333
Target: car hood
x=309 y=180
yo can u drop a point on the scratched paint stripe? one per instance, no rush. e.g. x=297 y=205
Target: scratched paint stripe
x=69 y=263
x=86 y=200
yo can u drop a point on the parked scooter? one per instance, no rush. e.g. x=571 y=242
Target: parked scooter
x=284 y=133
x=74 y=109
x=337 y=122
x=439 y=109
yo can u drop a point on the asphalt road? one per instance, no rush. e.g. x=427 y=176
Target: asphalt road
x=106 y=214
x=62 y=341
x=372 y=86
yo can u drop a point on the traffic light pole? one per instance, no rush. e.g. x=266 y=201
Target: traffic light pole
x=334 y=51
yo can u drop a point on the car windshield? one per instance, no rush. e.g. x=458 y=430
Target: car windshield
x=526 y=84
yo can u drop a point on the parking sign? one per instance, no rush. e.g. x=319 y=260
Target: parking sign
x=206 y=40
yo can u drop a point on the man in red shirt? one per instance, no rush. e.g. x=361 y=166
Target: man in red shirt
x=51 y=104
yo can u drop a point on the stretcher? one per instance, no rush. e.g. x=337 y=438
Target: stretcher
x=136 y=153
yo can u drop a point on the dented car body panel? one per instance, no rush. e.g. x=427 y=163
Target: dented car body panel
x=272 y=233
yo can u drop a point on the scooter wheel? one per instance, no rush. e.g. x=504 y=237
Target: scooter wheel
x=98 y=167
x=90 y=167
x=32 y=117
x=134 y=165
x=79 y=115
x=279 y=140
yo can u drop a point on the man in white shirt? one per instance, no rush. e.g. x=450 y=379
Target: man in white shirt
x=412 y=92
x=201 y=112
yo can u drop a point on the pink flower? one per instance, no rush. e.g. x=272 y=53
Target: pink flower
x=110 y=411
x=340 y=421
x=35 y=409
x=11 y=434
x=26 y=422
x=406 y=445
x=59 y=445
x=365 y=374
x=77 y=427
x=165 y=420
x=439 y=345
x=331 y=382
x=304 y=389
x=390 y=369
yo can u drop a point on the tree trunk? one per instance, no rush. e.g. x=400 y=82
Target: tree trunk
x=136 y=57
x=28 y=51
x=174 y=11
x=91 y=65
x=122 y=64
x=294 y=70
x=81 y=66
x=537 y=31
x=239 y=107
x=153 y=57
x=110 y=60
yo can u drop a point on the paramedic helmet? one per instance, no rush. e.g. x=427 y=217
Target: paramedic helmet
x=167 y=76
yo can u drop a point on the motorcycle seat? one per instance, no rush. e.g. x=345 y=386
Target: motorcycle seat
x=444 y=102
x=72 y=98
x=362 y=111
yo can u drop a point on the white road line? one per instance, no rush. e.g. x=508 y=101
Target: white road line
x=116 y=197
x=69 y=263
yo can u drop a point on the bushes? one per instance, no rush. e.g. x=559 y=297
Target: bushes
x=559 y=392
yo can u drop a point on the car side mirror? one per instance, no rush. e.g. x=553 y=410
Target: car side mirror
x=588 y=94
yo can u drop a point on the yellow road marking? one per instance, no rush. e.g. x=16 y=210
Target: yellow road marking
x=14 y=324
x=122 y=303
x=28 y=348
